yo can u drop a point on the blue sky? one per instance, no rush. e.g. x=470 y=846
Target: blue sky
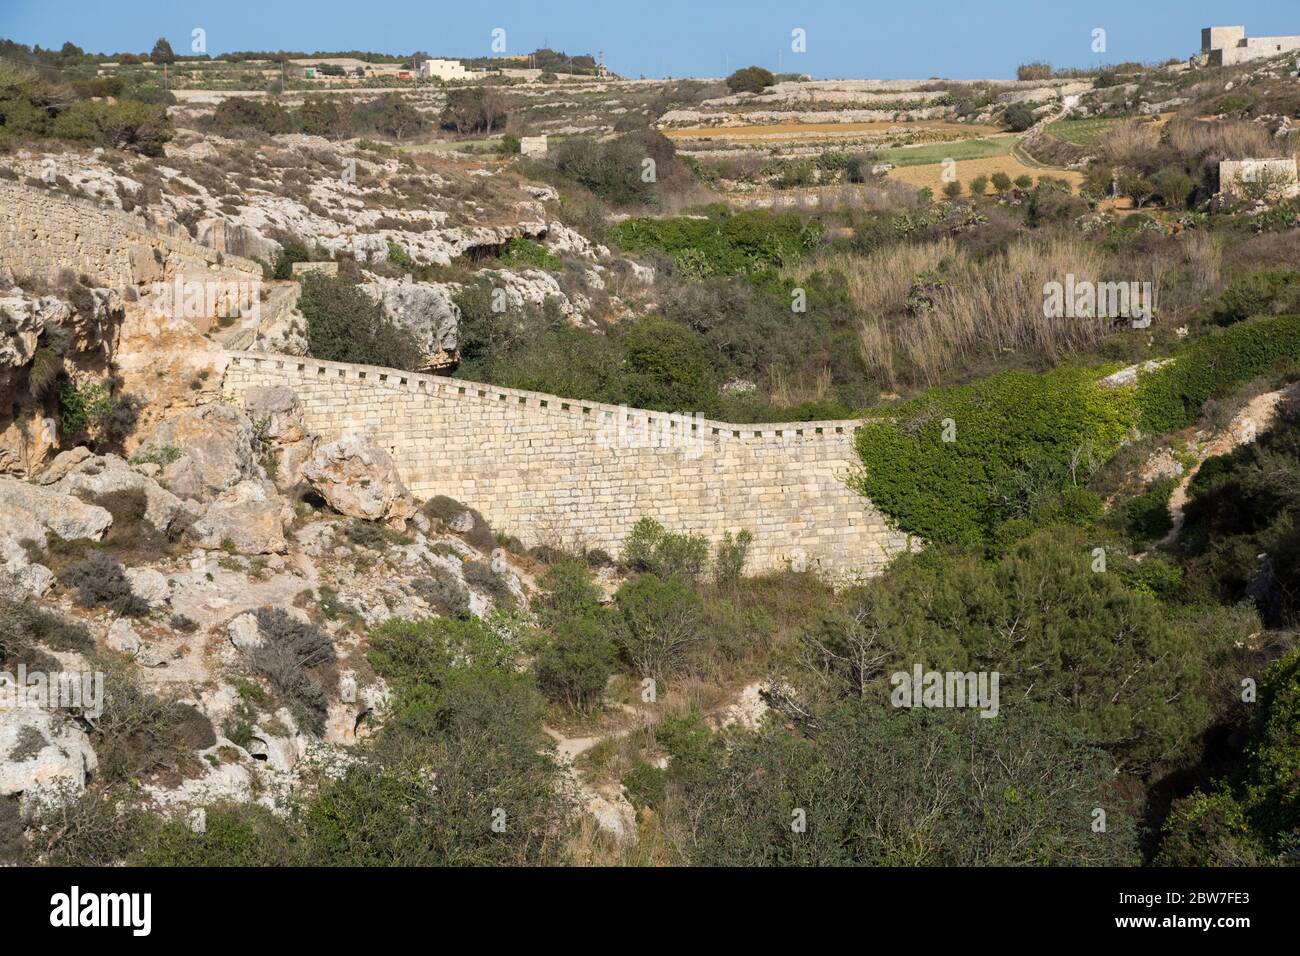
x=904 y=39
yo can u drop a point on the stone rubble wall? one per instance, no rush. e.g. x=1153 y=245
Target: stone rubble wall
x=572 y=473
x=43 y=232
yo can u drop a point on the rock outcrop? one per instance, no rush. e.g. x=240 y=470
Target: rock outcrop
x=247 y=519
x=358 y=478
x=214 y=448
x=43 y=756
x=94 y=478
x=31 y=513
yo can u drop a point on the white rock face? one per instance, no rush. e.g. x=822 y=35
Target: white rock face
x=427 y=309
x=150 y=585
x=123 y=638
x=87 y=476
x=244 y=633
x=30 y=512
x=277 y=412
x=358 y=478
x=44 y=758
x=247 y=517
x=18 y=573
x=22 y=320
x=216 y=448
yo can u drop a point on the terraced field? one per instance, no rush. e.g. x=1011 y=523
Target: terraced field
x=938 y=152
x=1080 y=132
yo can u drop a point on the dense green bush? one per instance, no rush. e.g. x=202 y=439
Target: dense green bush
x=529 y=254
x=658 y=625
x=1171 y=397
x=1257 y=820
x=1243 y=506
x=1021 y=447
x=750 y=79
x=346 y=325
x=739 y=244
x=1258 y=293
x=574 y=665
x=912 y=788
x=1085 y=642
x=238 y=113
x=652 y=548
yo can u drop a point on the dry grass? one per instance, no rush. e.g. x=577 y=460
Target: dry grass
x=1128 y=141
x=1203 y=252
x=1226 y=139
x=931 y=174
x=977 y=309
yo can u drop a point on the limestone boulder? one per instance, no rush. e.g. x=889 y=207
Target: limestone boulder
x=18 y=573
x=247 y=518
x=43 y=756
x=358 y=478
x=150 y=585
x=211 y=449
x=123 y=638
x=30 y=512
x=276 y=413
x=93 y=477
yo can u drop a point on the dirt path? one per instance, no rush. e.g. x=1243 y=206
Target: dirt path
x=1246 y=425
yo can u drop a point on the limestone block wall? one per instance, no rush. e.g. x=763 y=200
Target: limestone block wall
x=565 y=472
x=43 y=232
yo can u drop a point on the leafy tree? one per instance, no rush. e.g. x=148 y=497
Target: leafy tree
x=474 y=109
x=162 y=52
x=1019 y=117
x=658 y=625
x=1101 y=652
x=750 y=79
x=574 y=665
x=141 y=127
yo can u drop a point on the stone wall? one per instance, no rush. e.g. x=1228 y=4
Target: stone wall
x=44 y=231
x=565 y=472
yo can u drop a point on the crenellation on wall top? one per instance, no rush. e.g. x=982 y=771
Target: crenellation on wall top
x=323 y=370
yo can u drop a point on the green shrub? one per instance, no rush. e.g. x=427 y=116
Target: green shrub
x=732 y=553
x=659 y=624
x=568 y=593
x=238 y=113
x=141 y=127
x=689 y=743
x=576 y=662
x=645 y=785
x=1258 y=293
x=346 y=325
x=750 y=79
x=1014 y=792
x=529 y=254
x=236 y=834
x=1021 y=446
x=743 y=243
x=652 y=549
x=1146 y=517
x=1172 y=396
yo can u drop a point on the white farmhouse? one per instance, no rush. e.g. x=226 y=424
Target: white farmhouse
x=442 y=69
